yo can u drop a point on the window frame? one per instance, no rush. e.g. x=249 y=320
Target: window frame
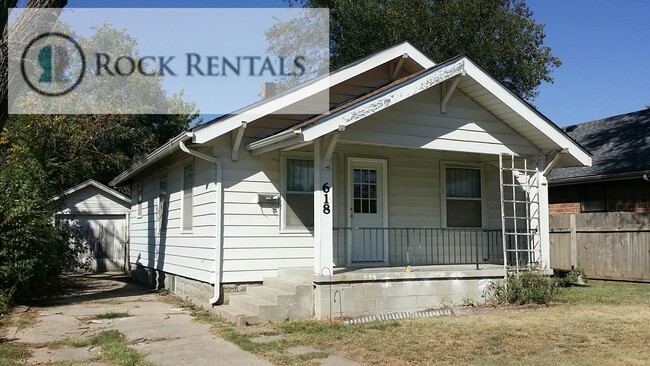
x=296 y=155
x=444 y=165
x=582 y=193
x=182 y=216
x=161 y=215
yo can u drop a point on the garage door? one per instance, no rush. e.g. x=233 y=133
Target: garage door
x=105 y=239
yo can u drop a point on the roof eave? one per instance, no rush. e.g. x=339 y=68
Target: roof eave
x=165 y=150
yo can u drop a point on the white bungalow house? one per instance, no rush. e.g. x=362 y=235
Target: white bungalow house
x=423 y=183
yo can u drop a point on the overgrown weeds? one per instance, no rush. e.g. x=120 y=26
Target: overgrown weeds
x=528 y=287
x=110 y=315
x=114 y=348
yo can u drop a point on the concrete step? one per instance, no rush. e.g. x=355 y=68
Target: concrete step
x=271 y=294
x=286 y=285
x=250 y=303
x=236 y=315
x=302 y=275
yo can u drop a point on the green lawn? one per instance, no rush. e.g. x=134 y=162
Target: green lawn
x=606 y=323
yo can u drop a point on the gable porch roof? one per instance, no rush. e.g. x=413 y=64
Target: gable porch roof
x=475 y=82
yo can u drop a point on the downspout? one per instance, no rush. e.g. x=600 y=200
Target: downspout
x=217 y=249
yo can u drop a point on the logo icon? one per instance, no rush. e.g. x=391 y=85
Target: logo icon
x=53 y=64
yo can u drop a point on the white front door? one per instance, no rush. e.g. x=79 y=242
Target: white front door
x=367 y=236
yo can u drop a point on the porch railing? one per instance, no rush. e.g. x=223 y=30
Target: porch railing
x=417 y=246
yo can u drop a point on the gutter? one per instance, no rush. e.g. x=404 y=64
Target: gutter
x=219 y=217
x=282 y=136
x=645 y=175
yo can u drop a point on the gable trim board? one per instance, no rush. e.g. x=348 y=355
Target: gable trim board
x=265 y=107
x=369 y=104
x=96 y=184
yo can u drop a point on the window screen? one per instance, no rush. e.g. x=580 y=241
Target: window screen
x=299 y=197
x=162 y=202
x=463 y=197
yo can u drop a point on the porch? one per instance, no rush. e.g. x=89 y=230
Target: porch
x=356 y=291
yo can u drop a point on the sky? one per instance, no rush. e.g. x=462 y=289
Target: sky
x=604 y=46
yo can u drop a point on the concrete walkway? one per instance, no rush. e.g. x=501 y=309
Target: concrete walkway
x=164 y=334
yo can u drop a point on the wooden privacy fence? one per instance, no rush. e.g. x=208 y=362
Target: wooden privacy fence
x=611 y=245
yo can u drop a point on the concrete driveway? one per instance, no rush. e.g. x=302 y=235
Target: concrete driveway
x=163 y=333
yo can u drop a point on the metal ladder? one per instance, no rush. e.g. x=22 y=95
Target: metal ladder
x=520 y=213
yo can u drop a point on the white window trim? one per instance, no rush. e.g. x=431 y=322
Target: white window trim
x=443 y=192
x=284 y=156
x=182 y=229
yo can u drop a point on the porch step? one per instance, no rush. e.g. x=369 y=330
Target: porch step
x=303 y=275
x=267 y=293
x=276 y=299
x=285 y=285
x=236 y=315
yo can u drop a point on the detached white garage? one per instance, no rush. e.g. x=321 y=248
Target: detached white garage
x=101 y=215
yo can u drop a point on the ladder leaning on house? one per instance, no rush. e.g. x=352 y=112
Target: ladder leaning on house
x=520 y=213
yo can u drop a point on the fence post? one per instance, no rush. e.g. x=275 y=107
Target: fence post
x=574 y=241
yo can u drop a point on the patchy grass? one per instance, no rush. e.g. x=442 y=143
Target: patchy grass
x=274 y=351
x=110 y=315
x=11 y=353
x=605 y=323
x=114 y=348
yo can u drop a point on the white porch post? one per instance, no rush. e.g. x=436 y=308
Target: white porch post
x=543 y=217
x=323 y=211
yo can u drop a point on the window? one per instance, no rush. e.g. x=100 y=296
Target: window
x=299 y=194
x=593 y=198
x=188 y=197
x=162 y=202
x=463 y=197
x=140 y=198
x=365 y=191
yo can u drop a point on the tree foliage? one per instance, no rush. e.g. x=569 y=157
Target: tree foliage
x=43 y=155
x=500 y=35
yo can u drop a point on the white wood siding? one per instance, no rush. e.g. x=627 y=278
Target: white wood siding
x=253 y=245
x=418 y=123
x=93 y=200
x=186 y=254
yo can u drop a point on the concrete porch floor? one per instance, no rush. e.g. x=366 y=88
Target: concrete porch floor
x=396 y=273
x=449 y=271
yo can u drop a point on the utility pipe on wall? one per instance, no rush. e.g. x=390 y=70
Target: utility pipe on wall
x=218 y=236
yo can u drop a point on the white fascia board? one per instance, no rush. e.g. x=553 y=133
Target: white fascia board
x=219 y=128
x=96 y=184
x=527 y=113
x=384 y=100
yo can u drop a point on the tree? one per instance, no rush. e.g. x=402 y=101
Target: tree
x=500 y=35
x=26 y=28
x=43 y=155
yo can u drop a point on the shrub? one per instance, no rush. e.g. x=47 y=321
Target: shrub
x=576 y=276
x=529 y=287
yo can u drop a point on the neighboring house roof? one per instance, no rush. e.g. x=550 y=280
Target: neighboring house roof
x=96 y=184
x=620 y=146
x=475 y=82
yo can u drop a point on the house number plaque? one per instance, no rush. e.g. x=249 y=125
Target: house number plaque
x=326 y=205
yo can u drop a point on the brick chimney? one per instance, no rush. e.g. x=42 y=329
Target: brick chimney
x=269 y=90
